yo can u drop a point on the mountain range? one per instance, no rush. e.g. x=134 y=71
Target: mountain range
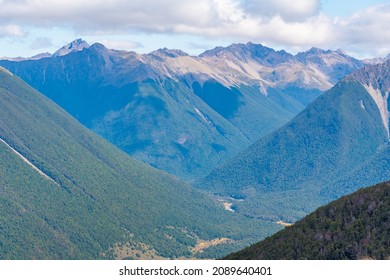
x=68 y=194
x=339 y=143
x=180 y=113
x=263 y=136
x=353 y=227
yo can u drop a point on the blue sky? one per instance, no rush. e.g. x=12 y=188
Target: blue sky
x=345 y=8
x=359 y=27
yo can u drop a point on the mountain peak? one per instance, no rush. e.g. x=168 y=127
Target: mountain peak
x=250 y=51
x=98 y=46
x=74 y=46
x=169 y=52
x=314 y=51
x=342 y=52
x=376 y=75
x=377 y=60
x=239 y=50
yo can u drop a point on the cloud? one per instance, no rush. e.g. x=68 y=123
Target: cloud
x=151 y=15
x=367 y=25
x=120 y=15
x=11 y=30
x=366 y=29
x=297 y=10
x=298 y=23
x=41 y=42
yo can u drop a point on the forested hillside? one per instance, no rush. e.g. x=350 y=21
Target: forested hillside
x=356 y=226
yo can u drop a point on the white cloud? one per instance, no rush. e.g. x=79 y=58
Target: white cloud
x=317 y=30
x=11 y=30
x=366 y=29
x=298 y=23
x=367 y=25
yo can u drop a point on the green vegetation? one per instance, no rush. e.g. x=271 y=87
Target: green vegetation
x=353 y=227
x=317 y=157
x=193 y=145
x=183 y=125
x=101 y=197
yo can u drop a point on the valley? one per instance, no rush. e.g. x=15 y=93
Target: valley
x=109 y=154
x=213 y=105
x=308 y=160
x=99 y=197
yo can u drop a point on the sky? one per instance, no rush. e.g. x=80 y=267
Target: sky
x=359 y=27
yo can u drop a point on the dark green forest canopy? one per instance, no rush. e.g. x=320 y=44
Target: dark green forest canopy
x=356 y=226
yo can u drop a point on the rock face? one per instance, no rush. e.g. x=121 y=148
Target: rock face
x=333 y=64
x=74 y=46
x=376 y=81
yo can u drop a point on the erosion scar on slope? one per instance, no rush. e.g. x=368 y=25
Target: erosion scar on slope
x=43 y=174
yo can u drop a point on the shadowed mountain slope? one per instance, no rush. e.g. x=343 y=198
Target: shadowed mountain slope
x=68 y=194
x=324 y=152
x=180 y=113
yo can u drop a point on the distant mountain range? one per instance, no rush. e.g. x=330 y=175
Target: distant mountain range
x=356 y=226
x=378 y=60
x=339 y=143
x=180 y=113
x=68 y=194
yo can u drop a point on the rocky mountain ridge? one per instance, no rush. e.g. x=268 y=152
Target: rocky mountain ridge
x=180 y=113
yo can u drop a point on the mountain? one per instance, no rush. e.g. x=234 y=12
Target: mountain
x=326 y=151
x=68 y=194
x=74 y=46
x=296 y=76
x=378 y=60
x=35 y=57
x=335 y=65
x=356 y=226
x=180 y=113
